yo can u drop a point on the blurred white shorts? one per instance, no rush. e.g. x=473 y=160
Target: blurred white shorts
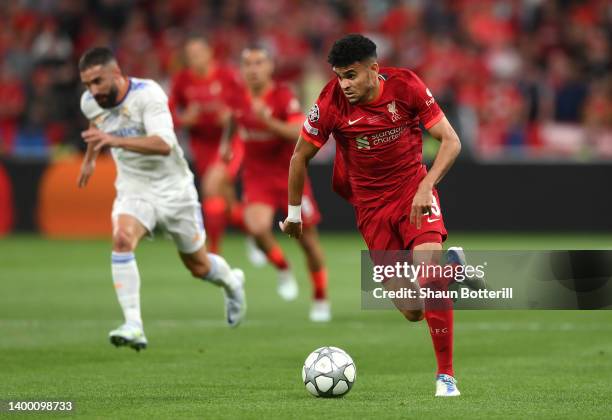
x=181 y=219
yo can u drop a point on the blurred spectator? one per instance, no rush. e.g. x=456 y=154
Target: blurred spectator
x=518 y=78
x=50 y=44
x=12 y=104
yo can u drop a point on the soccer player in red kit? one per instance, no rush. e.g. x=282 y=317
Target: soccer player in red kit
x=269 y=120
x=200 y=100
x=374 y=115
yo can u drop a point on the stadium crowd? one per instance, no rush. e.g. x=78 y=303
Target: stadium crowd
x=520 y=79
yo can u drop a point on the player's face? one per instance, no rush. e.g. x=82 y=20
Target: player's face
x=358 y=80
x=256 y=67
x=198 y=55
x=101 y=81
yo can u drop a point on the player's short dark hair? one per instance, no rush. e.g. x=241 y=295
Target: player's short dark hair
x=258 y=46
x=350 y=49
x=95 y=56
x=196 y=37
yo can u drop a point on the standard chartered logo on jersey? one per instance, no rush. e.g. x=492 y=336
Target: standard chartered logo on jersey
x=364 y=142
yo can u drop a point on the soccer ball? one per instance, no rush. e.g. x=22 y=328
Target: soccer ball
x=329 y=372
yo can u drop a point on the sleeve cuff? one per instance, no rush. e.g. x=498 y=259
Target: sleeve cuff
x=296 y=118
x=310 y=139
x=434 y=121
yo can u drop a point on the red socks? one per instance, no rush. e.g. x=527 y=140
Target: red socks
x=319 y=283
x=277 y=258
x=318 y=278
x=439 y=316
x=215 y=221
x=237 y=216
x=441 y=329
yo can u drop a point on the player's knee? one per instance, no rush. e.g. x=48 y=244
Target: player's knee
x=199 y=269
x=258 y=229
x=413 y=315
x=123 y=240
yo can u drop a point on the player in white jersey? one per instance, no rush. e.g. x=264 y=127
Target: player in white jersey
x=154 y=186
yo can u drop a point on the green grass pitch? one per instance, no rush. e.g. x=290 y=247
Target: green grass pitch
x=57 y=306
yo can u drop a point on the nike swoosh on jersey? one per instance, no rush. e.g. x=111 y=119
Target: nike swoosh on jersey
x=354 y=121
x=432 y=220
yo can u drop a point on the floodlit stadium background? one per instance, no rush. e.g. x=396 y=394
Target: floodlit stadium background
x=528 y=86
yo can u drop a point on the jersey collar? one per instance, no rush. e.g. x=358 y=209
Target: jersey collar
x=126 y=92
x=380 y=91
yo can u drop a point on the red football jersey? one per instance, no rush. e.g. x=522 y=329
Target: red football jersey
x=265 y=153
x=213 y=93
x=378 y=145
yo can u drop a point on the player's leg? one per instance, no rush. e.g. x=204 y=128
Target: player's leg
x=438 y=313
x=127 y=232
x=258 y=219
x=221 y=205
x=215 y=269
x=235 y=206
x=380 y=237
x=320 y=310
x=214 y=189
x=184 y=223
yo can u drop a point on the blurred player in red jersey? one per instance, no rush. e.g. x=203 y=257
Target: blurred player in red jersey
x=200 y=99
x=374 y=114
x=269 y=120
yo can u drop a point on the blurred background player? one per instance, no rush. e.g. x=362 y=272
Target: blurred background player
x=154 y=186
x=269 y=120
x=374 y=115
x=200 y=98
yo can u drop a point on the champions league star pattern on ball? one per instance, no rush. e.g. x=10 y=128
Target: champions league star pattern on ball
x=329 y=372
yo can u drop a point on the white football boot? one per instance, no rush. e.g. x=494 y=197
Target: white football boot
x=446 y=386
x=287 y=285
x=255 y=255
x=320 y=311
x=456 y=255
x=235 y=300
x=128 y=335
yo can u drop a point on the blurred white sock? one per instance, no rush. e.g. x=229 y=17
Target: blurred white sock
x=126 y=279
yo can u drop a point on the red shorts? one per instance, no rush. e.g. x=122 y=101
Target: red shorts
x=206 y=154
x=388 y=226
x=275 y=194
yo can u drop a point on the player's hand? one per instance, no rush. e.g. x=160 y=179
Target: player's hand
x=261 y=110
x=293 y=229
x=224 y=115
x=87 y=169
x=421 y=204
x=191 y=114
x=99 y=139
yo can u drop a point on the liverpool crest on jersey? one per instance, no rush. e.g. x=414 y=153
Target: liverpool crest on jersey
x=392 y=108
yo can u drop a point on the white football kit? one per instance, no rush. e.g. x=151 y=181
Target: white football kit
x=157 y=190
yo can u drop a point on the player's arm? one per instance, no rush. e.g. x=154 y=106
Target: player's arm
x=189 y=116
x=450 y=146
x=287 y=130
x=184 y=113
x=229 y=129
x=303 y=152
x=159 y=138
x=146 y=145
x=89 y=164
